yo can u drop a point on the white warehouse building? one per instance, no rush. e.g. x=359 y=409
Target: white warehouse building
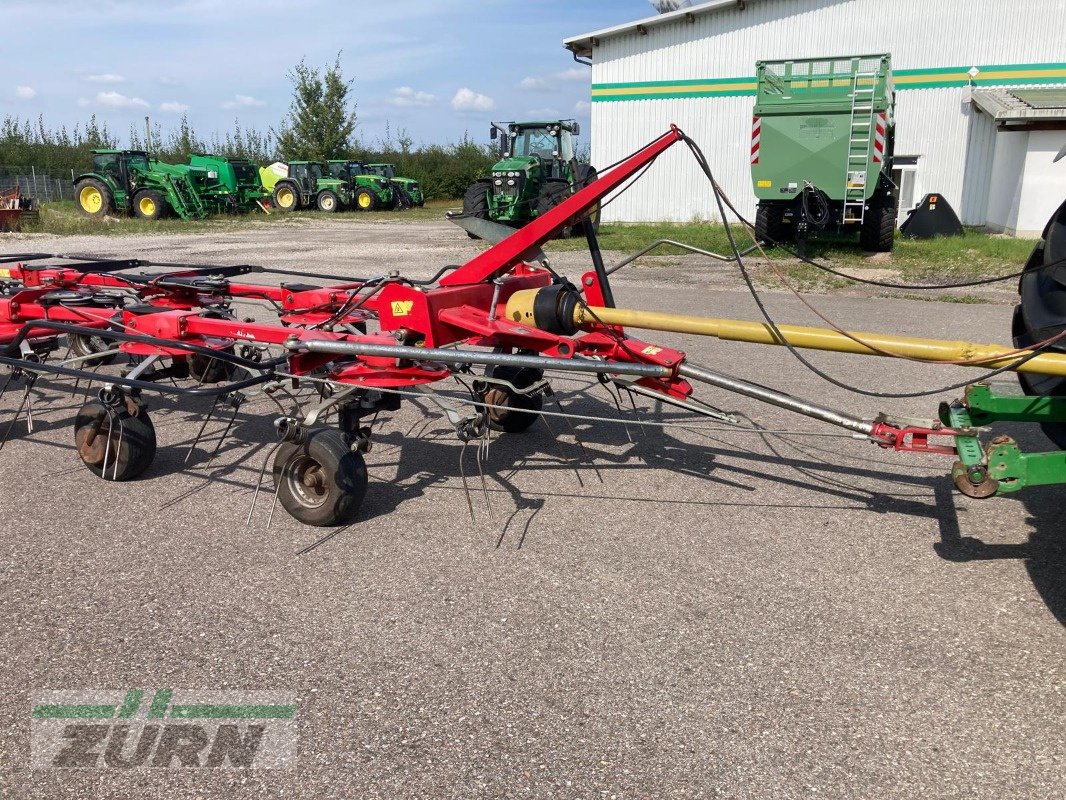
x=980 y=98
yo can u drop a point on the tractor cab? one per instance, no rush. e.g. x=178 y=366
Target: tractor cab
x=409 y=190
x=551 y=143
x=120 y=167
x=306 y=174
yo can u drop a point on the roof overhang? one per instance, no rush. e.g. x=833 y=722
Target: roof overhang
x=1010 y=107
x=582 y=46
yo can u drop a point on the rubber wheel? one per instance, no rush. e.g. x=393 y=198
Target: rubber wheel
x=878 y=231
x=93 y=198
x=365 y=200
x=519 y=411
x=476 y=202
x=205 y=369
x=83 y=344
x=551 y=194
x=148 y=204
x=1039 y=385
x=132 y=441
x=770 y=224
x=328 y=201
x=286 y=197
x=586 y=174
x=320 y=481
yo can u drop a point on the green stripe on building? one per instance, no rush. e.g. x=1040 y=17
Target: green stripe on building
x=929 y=78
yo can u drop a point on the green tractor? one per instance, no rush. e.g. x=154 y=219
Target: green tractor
x=234 y=183
x=132 y=182
x=409 y=185
x=368 y=191
x=537 y=170
x=306 y=184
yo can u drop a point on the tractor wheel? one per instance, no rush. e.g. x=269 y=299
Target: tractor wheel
x=320 y=481
x=286 y=197
x=328 y=201
x=85 y=346
x=586 y=174
x=476 y=202
x=514 y=412
x=148 y=204
x=112 y=443
x=878 y=231
x=93 y=198
x=365 y=200
x=551 y=194
x=770 y=224
x=207 y=370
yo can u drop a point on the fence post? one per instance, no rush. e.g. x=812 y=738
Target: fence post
x=33 y=171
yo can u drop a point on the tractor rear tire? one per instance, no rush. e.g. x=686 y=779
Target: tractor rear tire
x=770 y=224
x=552 y=193
x=123 y=446
x=365 y=200
x=93 y=198
x=328 y=202
x=286 y=197
x=878 y=231
x=320 y=481
x=476 y=202
x=148 y=204
x=586 y=174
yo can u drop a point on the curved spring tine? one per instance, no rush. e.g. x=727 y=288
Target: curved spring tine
x=259 y=482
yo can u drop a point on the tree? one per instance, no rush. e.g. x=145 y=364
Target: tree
x=320 y=124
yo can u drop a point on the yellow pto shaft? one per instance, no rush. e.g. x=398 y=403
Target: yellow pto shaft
x=524 y=307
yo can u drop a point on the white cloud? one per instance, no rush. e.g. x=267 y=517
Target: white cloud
x=469 y=100
x=243 y=101
x=574 y=74
x=116 y=100
x=582 y=107
x=174 y=107
x=406 y=97
x=25 y=92
x=532 y=84
x=106 y=77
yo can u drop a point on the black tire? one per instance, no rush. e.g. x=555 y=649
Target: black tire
x=83 y=345
x=770 y=224
x=878 y=231
x=86 y=190
x=286 y=196
x=320 y=481
x=132 y=441
x=204 y=369
x=551 y=194
x=476 y=202
x=327 y=201
x=365 y=200
x=518 y=411
x=586 y=174
x=149 y=204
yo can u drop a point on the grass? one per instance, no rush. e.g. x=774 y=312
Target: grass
x=63 y=219
x=941 y=260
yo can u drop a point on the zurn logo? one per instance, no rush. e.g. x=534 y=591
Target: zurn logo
x=163 y=729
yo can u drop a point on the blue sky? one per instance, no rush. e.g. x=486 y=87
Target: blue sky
x=432 y=67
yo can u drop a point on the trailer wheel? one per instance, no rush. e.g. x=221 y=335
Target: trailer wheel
x=286 y=197
x=770 y=224
x=83 y=345
x=112 y=443
x=516 y=412
x=878 y=231
x=328 y=201
x=476 y=202
x=148 y=204
x=93 y=198
x=319 y=480
x=365 y=200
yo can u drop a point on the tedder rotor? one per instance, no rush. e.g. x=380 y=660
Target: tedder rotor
x=501 y=324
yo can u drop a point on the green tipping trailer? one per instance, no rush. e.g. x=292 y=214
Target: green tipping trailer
x=823 y=132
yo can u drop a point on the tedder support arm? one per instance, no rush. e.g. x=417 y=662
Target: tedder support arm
x=507 y=253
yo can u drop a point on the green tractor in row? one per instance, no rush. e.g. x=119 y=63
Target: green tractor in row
x=415 y=196
x=537 y=170
x=304 y=184
x=132 y=182
x=369 y=192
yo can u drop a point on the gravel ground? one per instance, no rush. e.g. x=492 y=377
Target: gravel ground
x=653 y=612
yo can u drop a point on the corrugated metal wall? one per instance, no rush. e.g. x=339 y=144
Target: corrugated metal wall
x=935 y=124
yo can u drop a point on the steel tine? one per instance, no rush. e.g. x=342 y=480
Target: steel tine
x=273 y=505
x=573 y=430
x=107 y=444
x=200 y=432
x=613 y=392
x=14 y=419
x=225 y=433
x=10 y=377
x=118 y=447
x=466 y=488
x=636 y=413
x=484 y=485
x=259 y=482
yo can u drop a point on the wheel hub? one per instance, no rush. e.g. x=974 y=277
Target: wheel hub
x=307 y=481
